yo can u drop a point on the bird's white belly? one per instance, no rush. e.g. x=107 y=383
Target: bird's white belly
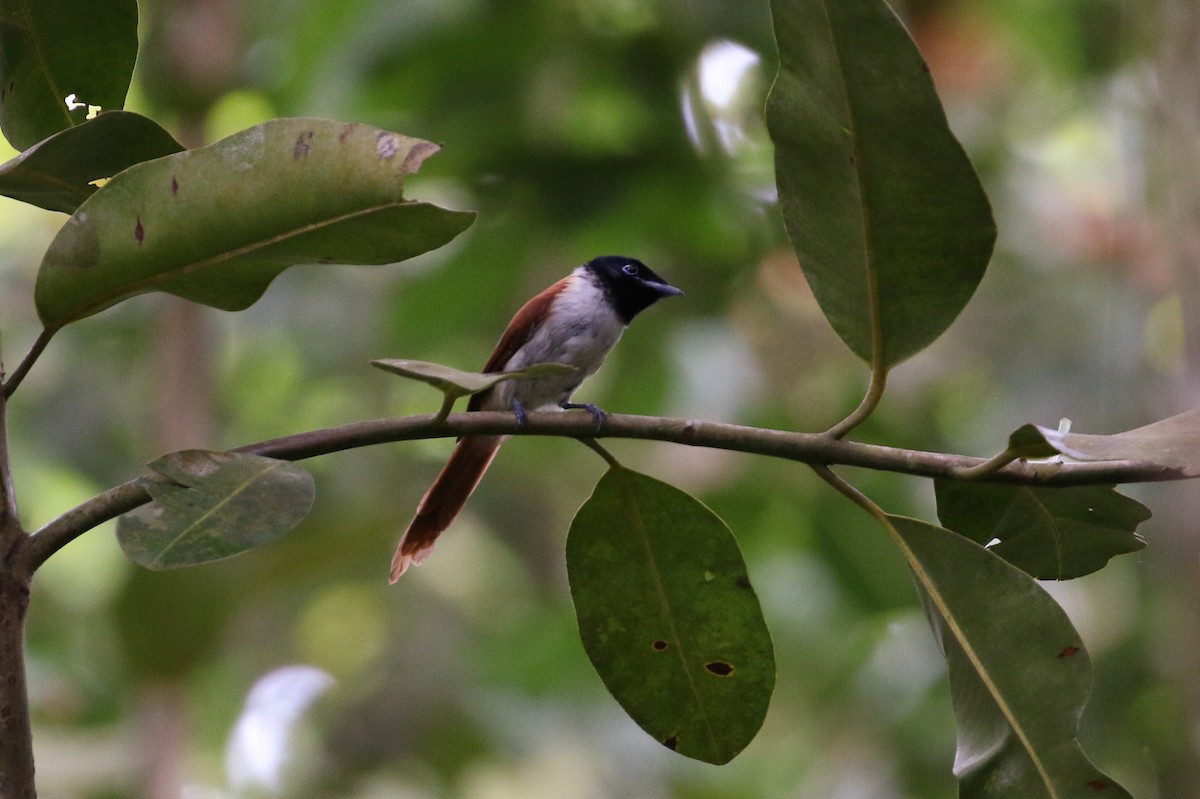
x=581 y=333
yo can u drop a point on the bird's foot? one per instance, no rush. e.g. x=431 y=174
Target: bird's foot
x=597 y=413
x=519 y=410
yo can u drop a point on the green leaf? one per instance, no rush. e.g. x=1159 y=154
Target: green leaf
x=216 y=225
x=50 y=49
x=1049 y=533
x=1019 y=673
x=668 y=617
x=1173 y=442
x=885 y=212
x=455 y=383
x=57 y=173
x=212 y=505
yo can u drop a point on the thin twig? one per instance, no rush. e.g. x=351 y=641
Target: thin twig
x=10 y=385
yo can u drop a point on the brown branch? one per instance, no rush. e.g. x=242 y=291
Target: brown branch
x=10 y=385
x=16 y=737
x=810 y=448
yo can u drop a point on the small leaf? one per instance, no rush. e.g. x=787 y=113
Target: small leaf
x=57 y=173
x=216 y=225
x=456 y=383
x=1173 y=442
x=885 y=212
x=1049 y=533
x=213 y=505
x=1019 y=673
x=51 y=49
x=668 y=617
x=1028 y=441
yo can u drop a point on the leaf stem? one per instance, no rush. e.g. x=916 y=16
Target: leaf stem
x=992 y=464
x=448 y=401
x=869 y=402
x=852 y=493
x=602 y=452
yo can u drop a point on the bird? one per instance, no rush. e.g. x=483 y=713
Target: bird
x=576 y=321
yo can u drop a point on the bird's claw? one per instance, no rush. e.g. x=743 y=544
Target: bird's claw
x=597 y=413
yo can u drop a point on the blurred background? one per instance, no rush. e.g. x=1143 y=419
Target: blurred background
x=576 y=128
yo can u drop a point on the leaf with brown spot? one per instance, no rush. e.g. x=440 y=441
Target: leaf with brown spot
x=212 y=505
x=648 y=563
x=250 y=211
x=1017 y=701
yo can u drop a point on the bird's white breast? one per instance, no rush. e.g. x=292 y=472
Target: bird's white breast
x=580 y=331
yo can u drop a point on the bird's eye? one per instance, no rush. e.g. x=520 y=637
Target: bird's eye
x=630 y=269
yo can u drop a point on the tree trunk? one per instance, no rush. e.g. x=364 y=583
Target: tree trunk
x=16 y=737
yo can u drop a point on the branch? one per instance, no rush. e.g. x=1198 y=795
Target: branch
x=810 y=448
x=10 y=523
x=10 y=385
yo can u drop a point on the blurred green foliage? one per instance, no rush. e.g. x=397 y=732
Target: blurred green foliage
x=578 y=127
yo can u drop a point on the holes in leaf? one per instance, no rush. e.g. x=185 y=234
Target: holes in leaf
x=303 y=145
x=719 y=668
x=659 y=645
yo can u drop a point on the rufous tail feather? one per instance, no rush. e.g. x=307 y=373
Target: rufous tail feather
x=444 y=499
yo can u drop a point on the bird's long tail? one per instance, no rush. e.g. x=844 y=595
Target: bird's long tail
x=444 y=499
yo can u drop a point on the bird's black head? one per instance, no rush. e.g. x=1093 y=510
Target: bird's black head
x=630 y=285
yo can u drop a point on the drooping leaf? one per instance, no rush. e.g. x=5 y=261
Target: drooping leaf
x=1049 y=533
x=456 y=383
x=52 y=49
x=1173 y=442
x=1028 y=441
x=884 y=210
x=668 y=617
x=216 y=225
x=57 y=174
x=211 y=505
x=1019 y=674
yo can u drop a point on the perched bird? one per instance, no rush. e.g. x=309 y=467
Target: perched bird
x=576 y=322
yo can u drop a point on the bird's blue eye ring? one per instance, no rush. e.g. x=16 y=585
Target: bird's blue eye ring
x=630 y=269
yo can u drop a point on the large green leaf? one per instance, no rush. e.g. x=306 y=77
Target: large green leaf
x=217 y=224
x=1019 y=674
x=668 y=617
x=57 y=174
x=1049 y=533
x=51 y=49
x=212 y=505
x=885 y=212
